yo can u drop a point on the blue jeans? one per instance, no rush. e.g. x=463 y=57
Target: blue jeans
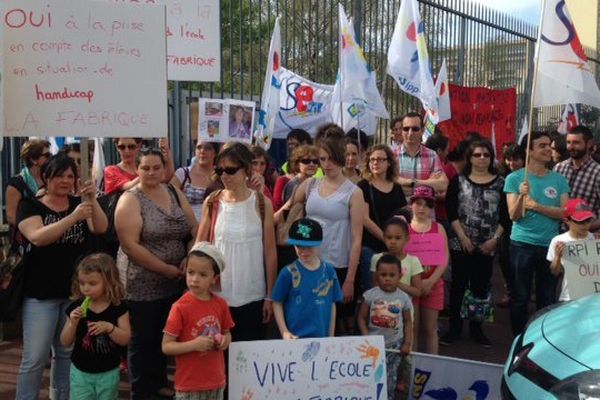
x=43 y=321
x=525 y=261
x=364 y=269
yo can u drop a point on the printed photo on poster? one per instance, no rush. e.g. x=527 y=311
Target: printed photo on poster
x=240 y=122
x=225 y=120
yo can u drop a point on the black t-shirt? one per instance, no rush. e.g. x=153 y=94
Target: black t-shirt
x=49 y=269
x=94 y=354
x=383 y=209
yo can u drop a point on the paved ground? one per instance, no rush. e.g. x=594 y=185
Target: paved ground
x=498 y=333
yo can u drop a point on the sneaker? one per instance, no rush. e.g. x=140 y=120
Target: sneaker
x=480 y=338
x=448 y=338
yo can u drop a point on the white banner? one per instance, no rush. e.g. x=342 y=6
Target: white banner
x=193 y=38
x=225 y=120
x=87 y=69
x=439 y=377
x=581 y=261
x=351 y=367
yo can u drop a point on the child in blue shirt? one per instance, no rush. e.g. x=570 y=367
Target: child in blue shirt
x=306 y=291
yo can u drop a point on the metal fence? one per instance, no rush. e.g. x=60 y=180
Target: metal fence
x=483 y=47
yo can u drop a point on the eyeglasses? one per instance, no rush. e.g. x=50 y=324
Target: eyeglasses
x=411 y=128
x=481 y=155
x=227 y=170
x=307 y=161
x=127 y=146
x=377 y=159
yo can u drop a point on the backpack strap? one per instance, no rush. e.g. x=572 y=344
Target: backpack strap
x=174 y=192
x=186 y=177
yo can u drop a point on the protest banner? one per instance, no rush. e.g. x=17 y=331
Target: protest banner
x=470 y=379
x=193 y=38
x=429 y=248
x=87 y=69
x=477 y=109
x=581 y=261
x=351 y=367
x=225 y=120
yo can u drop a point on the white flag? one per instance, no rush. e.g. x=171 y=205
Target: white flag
x=564 y=75
x=98 y=165
x=569 y=119
x=443 y=93
x=356 y=84
x=524 y=130
x=408 y=61
x=269 y=105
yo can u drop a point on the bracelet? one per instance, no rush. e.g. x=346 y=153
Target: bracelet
x=113 y=329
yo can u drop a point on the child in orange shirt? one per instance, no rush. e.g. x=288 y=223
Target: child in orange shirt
x=197 y=329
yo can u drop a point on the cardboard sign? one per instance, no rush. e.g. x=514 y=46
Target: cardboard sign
x=83 y=68
x=432 y=378
x=429 y=248
x=581 y=261
x=193 y=38
x=225 y=120
x=351 y=367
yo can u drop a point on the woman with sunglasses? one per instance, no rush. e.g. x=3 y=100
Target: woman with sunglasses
x=123 y=176
x=239 y=221
x=337 y=204
x=198 y=180
x=477 y=211
x=382 y=196
x=154 y=222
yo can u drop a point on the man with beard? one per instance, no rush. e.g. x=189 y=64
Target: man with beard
x=581 y=171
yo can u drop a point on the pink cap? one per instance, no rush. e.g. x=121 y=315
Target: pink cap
x=578 y=210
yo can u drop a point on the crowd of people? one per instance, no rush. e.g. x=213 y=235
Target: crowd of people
x=213 y=252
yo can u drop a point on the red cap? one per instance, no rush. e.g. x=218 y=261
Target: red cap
x=578 y=210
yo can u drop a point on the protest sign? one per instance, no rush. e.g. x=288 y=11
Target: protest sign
x=351 y=367
x=480 y=109
x=429 y=248
x=87 y=69
x=470 y=379
x=225 y=120
x=581 y=261
x=193 y=38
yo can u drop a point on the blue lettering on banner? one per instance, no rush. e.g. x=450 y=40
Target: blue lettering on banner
x=274 y=373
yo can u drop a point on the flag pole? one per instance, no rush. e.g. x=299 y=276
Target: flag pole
x=340 y=42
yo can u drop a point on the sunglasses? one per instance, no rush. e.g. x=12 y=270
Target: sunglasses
x=481 y=155
x=307 y=161
x=227 y=170
x=127 y=146
x=411 y=128
x=377 y=159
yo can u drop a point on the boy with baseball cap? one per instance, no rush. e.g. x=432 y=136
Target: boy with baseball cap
x=306 y=291
x=578 y=217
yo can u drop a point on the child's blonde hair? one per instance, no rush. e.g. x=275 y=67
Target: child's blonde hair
x=105 y=265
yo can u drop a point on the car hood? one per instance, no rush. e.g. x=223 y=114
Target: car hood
x=574 y=329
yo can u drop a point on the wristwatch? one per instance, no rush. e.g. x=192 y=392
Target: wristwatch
x=413 y=183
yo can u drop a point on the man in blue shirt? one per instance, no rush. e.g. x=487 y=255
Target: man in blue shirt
x=535 y=205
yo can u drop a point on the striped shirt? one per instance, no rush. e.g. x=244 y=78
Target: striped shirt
x=584 y=182
x=424 y=164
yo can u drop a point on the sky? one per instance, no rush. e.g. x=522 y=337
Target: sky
x=527 y=10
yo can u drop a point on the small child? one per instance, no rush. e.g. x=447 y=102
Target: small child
x=386 y=310
x=98 y=325
x=306 y=291
x=578 y=217
x=198 y=328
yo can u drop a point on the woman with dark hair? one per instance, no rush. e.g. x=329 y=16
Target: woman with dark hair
x=58 y=235
x=263 y=175
x=382 y=196
x=477 y=211
x=351 y=168
x=559 y=148
x=153 y=221
x=239 y=221
x=337 y=204
x=198 y=180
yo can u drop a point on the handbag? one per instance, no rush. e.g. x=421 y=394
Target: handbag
x=11 y=298
x=476 y=309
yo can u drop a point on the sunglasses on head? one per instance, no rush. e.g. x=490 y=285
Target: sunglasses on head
x=411 y=128
x=307 y=161
x=127 y=146
x=227 y=170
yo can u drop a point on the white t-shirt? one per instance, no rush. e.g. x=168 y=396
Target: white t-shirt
x=563 y=237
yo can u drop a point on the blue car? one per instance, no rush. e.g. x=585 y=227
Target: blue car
x=558 y=355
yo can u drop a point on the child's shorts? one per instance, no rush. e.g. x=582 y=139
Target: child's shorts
x=94 y=386
x=434 y=300
x=216 y=394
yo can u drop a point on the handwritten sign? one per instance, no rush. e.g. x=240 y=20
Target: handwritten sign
x=429 y=248
x=79 y=68
x=468 y=379
x=351 y=367
x=581 y=261
x=193 y=38
x=225 y=120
